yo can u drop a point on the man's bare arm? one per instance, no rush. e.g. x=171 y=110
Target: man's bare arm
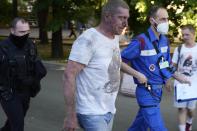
x=180 y=77
x=127 y=69
x=69 y=84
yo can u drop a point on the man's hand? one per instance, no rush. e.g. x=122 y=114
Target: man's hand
x=182 y=78
x=70 y=123
x=141 y=78
x=185 y=80
x=127 y=69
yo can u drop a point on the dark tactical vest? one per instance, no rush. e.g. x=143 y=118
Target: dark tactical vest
x=20 y=68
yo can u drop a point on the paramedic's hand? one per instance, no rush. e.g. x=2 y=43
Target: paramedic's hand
x=70 y=123
x=141 y=78
x=186 y=80
x=183 y=79
x=168 y=85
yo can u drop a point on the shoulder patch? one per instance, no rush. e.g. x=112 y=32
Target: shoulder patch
x=142 y=42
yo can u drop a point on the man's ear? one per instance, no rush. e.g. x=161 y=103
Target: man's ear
x=12 y=30
x=107 y=16
x=151 y=20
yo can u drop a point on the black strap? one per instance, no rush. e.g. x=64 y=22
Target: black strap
x=154 y=95
x=153 y=43
x=179 y=54
x=155 y=46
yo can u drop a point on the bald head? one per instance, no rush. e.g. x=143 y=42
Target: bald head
x=20 y=27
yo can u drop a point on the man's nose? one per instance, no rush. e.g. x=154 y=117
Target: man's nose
x=184 y=37
x=125 y=23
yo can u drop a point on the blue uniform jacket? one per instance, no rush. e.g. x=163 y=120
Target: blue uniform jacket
x=144 y=58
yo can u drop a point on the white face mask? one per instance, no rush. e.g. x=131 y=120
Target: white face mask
x=162 y=28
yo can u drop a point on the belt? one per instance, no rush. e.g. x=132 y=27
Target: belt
x=149 y=88
x=151 y=85
x=147 y=106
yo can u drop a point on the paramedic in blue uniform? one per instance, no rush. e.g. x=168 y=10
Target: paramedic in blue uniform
x=149 y=53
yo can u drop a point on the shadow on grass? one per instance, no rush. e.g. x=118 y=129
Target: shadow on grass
x=44 y=52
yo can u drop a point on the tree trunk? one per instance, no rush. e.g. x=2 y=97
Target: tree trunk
x=15 y=8
x=57 y=47
x=42 y=21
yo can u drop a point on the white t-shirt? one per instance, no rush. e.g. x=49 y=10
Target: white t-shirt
x=98 y=83
x=188 y=60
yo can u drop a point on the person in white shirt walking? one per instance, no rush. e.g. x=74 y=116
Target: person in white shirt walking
x=185 y=59
x=92 y=74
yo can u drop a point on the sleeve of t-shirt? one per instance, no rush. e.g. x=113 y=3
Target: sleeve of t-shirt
x=132 y=51
x=175 y=56
x=81 y=51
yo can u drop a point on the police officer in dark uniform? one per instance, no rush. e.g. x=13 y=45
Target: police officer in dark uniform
x=20 y=74
x=149 y=53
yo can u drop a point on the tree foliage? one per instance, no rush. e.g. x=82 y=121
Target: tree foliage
x=6 y=10
x=62 y=11
x=180 y=12
x=57 y=12
x=41 y=10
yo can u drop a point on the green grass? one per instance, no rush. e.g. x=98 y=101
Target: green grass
x=2 y=38
x=44 y=52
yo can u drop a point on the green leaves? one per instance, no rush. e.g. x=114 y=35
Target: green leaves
x=180 y=12
x=6 y=10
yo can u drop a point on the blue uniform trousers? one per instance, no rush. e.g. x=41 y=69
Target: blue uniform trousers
x=15 y=109
x=149 y=115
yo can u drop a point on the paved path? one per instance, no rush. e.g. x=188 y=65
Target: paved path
x=47 y=109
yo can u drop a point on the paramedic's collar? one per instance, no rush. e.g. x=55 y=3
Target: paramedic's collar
x=152 y=35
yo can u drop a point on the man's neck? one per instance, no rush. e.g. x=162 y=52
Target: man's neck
x=155 y=32
x=103 y=29
x=190 y=44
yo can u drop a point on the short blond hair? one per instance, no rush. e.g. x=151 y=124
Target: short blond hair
x=190 y=27
x=111 y=7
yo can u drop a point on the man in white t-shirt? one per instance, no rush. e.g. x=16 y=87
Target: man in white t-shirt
x=186 y=62
x=92 y=74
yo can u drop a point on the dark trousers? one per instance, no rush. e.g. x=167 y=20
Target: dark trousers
x=15 y=110
x=72 y=32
